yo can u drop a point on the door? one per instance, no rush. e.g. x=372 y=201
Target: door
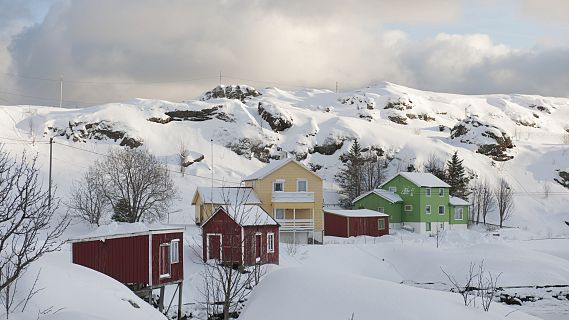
x=214 y=246
x=258 y=242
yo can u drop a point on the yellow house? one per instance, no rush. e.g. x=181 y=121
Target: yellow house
x=293 y=195
x=287 y=190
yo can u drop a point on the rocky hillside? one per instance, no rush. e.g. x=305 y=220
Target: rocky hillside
x=519 y=137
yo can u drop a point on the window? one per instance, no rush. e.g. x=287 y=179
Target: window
x=381 y=209
x=441 y=210
x=427 y=226
x=301 y=185
x=408 y=207
x=164 y=260
x=279 y=214
x=278 y=186
x=174 y=251
x=428 y=192
x=428 y=209
x=392 y=189
x=458 y=213
x=270 y=242
x=380 y=224
x=441 y=192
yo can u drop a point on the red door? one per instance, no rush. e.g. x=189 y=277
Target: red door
x=257 y=247
x=214 y=246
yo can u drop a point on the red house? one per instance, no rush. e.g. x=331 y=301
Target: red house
x=353 y=223
x=241 y=235
x=142 y=257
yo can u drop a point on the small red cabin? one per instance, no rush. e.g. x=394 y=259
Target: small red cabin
x=353 y=223
x=134 y=254
x=241 y=235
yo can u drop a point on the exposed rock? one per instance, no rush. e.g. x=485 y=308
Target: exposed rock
x=400 y=104
x=299 y=156
x=131 y=142
x=329 y=147
x=237 y=92
x=563 y=178
x=426 y=117
x=360 y=101
x=314 y=167
x=102 y=130
x=276 y=118
x=540 y=108
x=250 y=148
x=196 y=115
x=411 y=116
x=398 y=119
x=510 y=300
x=160 y=120
x=491 y=140
x=527 y=123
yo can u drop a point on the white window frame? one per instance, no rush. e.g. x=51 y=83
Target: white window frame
x=381 y=209
x=270 y=242
x=441 y=192
x=380 y=224
x=177 y=251
x=392 y=189
x=165 y=275
x=428 y=226
x=297 y=188
x=428 y=192
x=284 y=213
x=220 y=245
x=281 y=181
x=408 y=207
x=459 y=210
x=444 y=210
x=429 y=209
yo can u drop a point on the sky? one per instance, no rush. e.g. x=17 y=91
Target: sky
x=110 y=51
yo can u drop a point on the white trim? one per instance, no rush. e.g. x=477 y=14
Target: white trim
x=444 y=210
x=392 y=189
x=429 y=211
x=408 y=205
x=428 y=194
x=299 y=180
x=272 y=242
x=382 y=222
x=177 y=241
x=150 y=259
x=443 y=192
x=279 y=181
x=169 y=274
x=254 y=175
x=126 y=235
x=220 y=245
x=284 y=213
x=461 y=210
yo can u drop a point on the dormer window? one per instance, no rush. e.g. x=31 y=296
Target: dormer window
x=278 y=186
x=301 y=185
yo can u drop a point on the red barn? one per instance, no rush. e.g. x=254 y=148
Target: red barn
x=142 y=257
x=353 y=223
x=241 y=235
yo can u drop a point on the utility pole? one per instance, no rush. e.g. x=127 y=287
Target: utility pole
x=219 y=77
x=61 y=91
x=50 y=162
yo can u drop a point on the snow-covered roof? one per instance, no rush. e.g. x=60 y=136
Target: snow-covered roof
x=387 y=195
x=123 y=229
x=421 y=179
x=246 y=215
x=356 y=213
x=271 y=167
x=455 y=201
x=227 y=195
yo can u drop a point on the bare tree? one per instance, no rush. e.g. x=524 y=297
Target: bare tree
x=546 y=189
x=463 y=288
x=487 y=286
x=136 y=185
x=88 y=201
x=183 y=154
x=29 y=226
x=565 y=138
x=436 y=166
x=504 y=200
x=483 y=200
x=372 y=171
x=11 y=299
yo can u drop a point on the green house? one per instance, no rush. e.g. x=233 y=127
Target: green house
x=416 y=201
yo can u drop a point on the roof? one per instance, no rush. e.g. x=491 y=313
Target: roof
x=227 y=195
x=123 y=229
x=246 y=215
x=387 y=195
x=272 y=167
x=421 y=179
x=359 y=213
x=455 y=201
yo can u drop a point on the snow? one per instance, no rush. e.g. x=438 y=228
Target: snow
x=120 y=229
x=267 y=169
x=356 y=213
x=229 y=195
x=455 y=201
x=421 y=179
x=388 y=195
x=247 y=215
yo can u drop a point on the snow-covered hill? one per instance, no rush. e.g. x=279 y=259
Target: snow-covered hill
x=517 y=137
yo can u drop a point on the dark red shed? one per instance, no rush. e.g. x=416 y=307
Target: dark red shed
x=353 y=223
x=241 y=235
x=134 y=254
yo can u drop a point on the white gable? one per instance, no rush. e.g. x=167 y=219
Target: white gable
x=422 y=179
x=228 y=195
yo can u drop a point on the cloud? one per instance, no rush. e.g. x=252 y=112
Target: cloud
x=109 y=51
x=550 y=11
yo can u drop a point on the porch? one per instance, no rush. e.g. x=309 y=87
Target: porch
x=295 y=224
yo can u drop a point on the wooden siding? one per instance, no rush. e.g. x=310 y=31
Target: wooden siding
x=124 y=259
x=177 y=269
x=230 y=231
x=266 y=257
x=335 y=225
x=341 y=226
x=290 y=173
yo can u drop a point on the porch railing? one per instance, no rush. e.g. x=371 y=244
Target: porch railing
x=296 y=224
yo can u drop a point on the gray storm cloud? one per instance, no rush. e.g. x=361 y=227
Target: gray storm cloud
x=116 y=50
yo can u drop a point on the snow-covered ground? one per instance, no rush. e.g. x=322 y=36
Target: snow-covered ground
x=319 y=125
